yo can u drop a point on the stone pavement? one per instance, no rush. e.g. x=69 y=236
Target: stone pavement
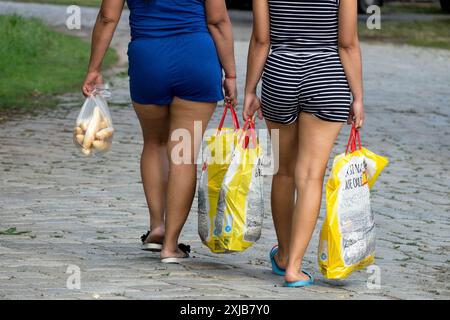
x=90 y=212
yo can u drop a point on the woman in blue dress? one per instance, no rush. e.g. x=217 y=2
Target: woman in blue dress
x=178 y=53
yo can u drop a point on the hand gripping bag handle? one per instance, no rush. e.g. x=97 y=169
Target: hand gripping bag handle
x=102 y=90
x=354 y=136
x=228 y=105
x=249 y=130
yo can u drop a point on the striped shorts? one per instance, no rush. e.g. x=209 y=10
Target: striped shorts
x=313 y=83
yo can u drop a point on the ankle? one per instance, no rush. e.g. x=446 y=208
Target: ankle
x=282 y=254
x=169 y=246
x=281 y=260
x=157 y=227
x=293 y=267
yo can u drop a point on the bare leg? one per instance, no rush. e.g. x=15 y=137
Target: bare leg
x=154 y=122
x=283 y=187
x=183 y=177
x=315 y=143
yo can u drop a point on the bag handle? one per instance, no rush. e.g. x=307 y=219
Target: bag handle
x=249 y=132
x=227 y=106
x=101 y=90
x=354 y=137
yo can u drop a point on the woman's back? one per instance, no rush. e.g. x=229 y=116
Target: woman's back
x=165 y=18
x=304 y=26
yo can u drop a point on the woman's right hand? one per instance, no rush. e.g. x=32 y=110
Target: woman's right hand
x=92 y=79
x=252 y=104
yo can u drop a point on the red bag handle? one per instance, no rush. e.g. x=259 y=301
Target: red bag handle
x=227 y=106
x=249 y=130
x=354 y=137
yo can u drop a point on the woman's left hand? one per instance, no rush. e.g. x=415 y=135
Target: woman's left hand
x=229 y=86
x=356 y=116
x=252 y=104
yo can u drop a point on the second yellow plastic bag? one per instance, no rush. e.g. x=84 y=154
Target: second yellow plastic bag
x=241 y=204
x=347 y=238
x=217 y=158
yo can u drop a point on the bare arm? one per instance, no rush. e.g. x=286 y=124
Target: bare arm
x=107 y=19
x=219 y=26
x=350 y=54
x=257 y=55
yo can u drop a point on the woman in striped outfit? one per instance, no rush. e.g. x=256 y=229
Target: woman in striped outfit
x=311 y=86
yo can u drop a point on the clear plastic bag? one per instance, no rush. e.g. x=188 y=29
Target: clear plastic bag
x=93 y=132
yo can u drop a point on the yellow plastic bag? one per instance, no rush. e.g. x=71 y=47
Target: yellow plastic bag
x=347 y=238
x=241 y=203
x=217 y=158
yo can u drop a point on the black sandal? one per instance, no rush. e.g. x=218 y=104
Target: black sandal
x=150 y=246
x=186 y=249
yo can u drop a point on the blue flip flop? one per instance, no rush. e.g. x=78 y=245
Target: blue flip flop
x=275 y=268
x=301 y=283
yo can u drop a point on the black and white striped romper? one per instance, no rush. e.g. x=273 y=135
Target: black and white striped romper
x=303 y=71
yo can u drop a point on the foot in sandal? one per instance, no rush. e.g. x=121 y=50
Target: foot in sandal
x=278 y=264
x=298 y=279
x=153 y=239
x=177 y=256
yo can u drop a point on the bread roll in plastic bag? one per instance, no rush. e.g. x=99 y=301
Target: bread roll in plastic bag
x=93 y=132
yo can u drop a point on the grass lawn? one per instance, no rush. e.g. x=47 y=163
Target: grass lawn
x=36 y=63
x=434 y=34
x=389 y=7
x=88 y=3
x=402 y=7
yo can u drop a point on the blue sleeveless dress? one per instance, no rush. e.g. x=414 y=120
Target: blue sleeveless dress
x=171 y=53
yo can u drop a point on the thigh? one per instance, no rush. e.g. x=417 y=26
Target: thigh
x=154 y=120
x=284 y=140
x=188 y=120
x=316 y=138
